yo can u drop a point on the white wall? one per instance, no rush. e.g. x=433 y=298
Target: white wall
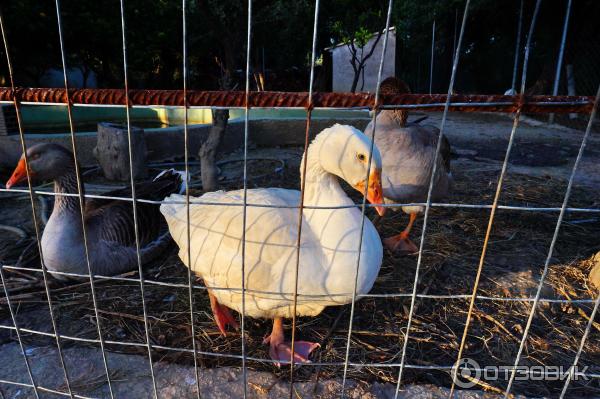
x=343 y=72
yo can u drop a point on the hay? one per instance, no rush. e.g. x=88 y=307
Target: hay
x=517 y=251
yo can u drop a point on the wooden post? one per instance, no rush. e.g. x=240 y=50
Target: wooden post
x=112 y=151
x=208 y=149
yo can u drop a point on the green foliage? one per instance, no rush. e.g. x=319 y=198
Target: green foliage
x=354 y=21
x=282 y=36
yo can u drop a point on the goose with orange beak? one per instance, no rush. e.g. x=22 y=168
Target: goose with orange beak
x=408 y=154
x=111 y=236
x=330 y=240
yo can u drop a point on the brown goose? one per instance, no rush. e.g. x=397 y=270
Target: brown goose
x=407 y=152
x=109 y=223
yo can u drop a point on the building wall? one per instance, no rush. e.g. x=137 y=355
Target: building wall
x=343 y=72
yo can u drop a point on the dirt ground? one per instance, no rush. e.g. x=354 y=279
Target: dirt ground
x=539 y=168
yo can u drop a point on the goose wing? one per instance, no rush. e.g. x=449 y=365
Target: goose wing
x=216 y=243
x=408 y=155
x=112 y=219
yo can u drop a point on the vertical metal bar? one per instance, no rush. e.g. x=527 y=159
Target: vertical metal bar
x=187 y=195
x=364 y=199
x=429 y=193
x=33 y=207
x=551 y=249
x=134 y=199
x=597 y=303
x=494 y=204
x=18 y=331
x=245 y=199
x=432 y=58
x=513 y=86
x=561 y=54
x=302 y=189
x=80 y=195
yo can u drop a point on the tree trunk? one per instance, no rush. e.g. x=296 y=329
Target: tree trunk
x=112 y=151
x=355 y=80
x=208 y=150
x=543 y=84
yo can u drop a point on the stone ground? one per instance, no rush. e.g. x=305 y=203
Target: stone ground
x=479 y=142
x=130 y=379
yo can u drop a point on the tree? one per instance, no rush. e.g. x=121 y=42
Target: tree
x=356 y=43
x=355 y=24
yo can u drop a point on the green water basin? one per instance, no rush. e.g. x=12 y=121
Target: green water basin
x=53 y=119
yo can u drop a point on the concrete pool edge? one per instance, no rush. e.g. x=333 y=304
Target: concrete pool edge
x=55 y=116
x=167 y=143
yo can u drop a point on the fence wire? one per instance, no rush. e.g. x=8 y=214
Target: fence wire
x=134 y=198
x=552 y=244
x=429 y=194
x=496 y=198
x=248 y=100
x=364 y=199
x=34 y=218
x=186 y=140
x=291 y=294
x=81 y=199
x=245 y=197
x=302 y=193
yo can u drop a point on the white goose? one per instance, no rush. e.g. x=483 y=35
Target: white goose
x=329 y=246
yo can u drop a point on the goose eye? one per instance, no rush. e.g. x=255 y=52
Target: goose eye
x=35 y=156
x=361 y=157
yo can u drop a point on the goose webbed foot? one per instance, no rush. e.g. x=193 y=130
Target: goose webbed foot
x=223 y=317
x=400 y=243
x=281 y=351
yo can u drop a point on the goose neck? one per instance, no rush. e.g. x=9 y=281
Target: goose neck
x=66 y=184
x=397 y=116
x=322 y=188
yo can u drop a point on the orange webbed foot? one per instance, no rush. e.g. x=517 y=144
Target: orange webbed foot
x=282 y=351
x=223 y=318
x=400 y=244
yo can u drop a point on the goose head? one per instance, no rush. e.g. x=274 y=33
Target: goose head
x=393 y=86
x=47 y=161
x=344 y=151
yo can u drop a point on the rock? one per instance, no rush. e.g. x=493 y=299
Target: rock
x=594 y=277
x=130 y=377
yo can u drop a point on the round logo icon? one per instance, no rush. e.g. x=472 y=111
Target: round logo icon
x=465 y=372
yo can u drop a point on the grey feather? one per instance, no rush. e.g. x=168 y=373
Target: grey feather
x=408 y=154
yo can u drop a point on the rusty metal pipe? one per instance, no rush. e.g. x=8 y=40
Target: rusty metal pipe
x=273 y=99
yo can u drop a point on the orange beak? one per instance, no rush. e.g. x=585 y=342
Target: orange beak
x=19 y=175
x=375 y=192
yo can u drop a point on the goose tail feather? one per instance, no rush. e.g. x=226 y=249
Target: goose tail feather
x=181 y=175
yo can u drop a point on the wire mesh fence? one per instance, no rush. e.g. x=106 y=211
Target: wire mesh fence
x=248 y=100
